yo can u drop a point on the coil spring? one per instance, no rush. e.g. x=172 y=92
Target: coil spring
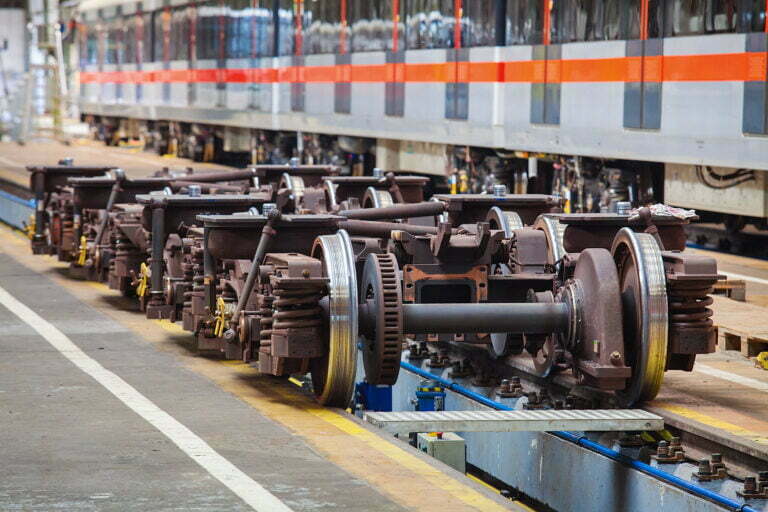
x=265 y=322
x=295 y=308
x=688 y=303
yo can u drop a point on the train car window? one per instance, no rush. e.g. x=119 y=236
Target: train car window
x=264 y=36
x=478 y=23
x=208 y=26
x=752 y=15
x=721 y=16
x=129 y=40
x=629 y=22
x=180 y=37
x=286 y=27
x=430 y=24
x=594 y=20
x=371 y=26
x=321 y=22
x=525 y=21
x=240 y=29
x=146 y=37
x=158 y=24
x=613 y=25
x=685 y=17
x=112 y=49
x=655 y=18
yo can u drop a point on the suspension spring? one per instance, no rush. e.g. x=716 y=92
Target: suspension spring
x=688 y=304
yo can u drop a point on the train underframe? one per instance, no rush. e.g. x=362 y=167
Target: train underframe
x=588 y=184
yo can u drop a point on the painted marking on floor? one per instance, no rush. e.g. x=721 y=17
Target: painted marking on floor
x=247 y=489
x=734 y=275
x=732 y=377
x=8 y=161
x=690 y=414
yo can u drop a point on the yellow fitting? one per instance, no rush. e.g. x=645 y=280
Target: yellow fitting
x=143 y=285
x=29 y=228
x=761 y=361
x=223 y=315
x=83 y=251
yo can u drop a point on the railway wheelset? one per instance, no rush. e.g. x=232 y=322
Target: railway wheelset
x=301 y=271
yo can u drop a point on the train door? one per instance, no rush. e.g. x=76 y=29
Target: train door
x=192 y=54
x=546 y=86
x=645 y=47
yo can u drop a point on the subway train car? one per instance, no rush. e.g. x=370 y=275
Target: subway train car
x=600 y=101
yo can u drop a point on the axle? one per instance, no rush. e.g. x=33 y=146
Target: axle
x=399 y=211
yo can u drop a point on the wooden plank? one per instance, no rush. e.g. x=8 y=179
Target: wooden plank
x=741 y=326
x=735 y=289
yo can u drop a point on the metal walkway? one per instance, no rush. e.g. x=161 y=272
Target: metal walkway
x=516 y=421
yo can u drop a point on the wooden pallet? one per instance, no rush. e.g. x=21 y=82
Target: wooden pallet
x=740 y=326
x=735 y=289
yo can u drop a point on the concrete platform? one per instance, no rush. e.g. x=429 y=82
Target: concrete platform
x=134 y=161
x=69 y=441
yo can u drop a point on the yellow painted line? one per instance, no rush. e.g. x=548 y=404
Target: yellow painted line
x=295 y=382
x=731 y=428
x=520 y=504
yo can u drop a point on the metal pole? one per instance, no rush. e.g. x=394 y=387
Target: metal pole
x=158 y=244
x=383 y=229
x=529 y=318
x=264 y=242
x=399 y=211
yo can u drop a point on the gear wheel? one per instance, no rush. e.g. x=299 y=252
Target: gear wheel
x=381 y=290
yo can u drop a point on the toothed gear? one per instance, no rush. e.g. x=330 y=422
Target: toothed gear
x=381 y=352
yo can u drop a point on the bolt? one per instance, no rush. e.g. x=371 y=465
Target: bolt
x=378 y=173
x=623 y=207
x=305 y=273
x=194 y=191
x=295 y=161
x=499 y=190
x=253 y=211
x=516 y=382
x=663 y=449
x=704 y=467
x=750 y=485
x=615 y=356
x=506 y=386
x=268 y=208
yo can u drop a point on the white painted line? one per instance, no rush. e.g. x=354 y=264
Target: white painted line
x=732 y=377
x=12 y=163
x=745 y=278
x=198 y=450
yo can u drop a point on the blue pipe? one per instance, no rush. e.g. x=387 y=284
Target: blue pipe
x=592 y=446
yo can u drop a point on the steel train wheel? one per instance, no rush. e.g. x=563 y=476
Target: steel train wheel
x=333 y=375
x=504 y=220
x=331 y=202
x=383 y=346
x=642 y=285
x=554 y=230
x=374 y=198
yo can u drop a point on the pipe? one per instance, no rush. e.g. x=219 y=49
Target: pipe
x=592 y=446
x=400 y=211
x=516 y=317
x=241 y=174
x=157 y=263
x=264 y=242
x=379 y=229
x=206 y=188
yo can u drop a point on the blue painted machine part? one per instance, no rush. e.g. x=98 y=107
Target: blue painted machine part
x=591 y=445
x=374 y=398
